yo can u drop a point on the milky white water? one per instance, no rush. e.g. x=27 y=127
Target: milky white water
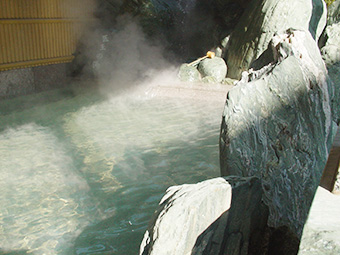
x=81 y=173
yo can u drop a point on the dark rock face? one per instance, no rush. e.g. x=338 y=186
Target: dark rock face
x=218 y=216
x=190 y=27
x=278 y=125
x=261 y=20
x=241 y=229
x=184 y=213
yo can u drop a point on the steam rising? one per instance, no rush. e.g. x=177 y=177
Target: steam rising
x=124 y=57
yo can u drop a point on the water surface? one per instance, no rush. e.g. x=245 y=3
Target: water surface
x=82 y=173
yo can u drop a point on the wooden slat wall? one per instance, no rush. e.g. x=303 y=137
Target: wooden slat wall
x=40 y=32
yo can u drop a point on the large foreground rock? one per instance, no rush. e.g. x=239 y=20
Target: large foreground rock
x=322 y=230
x=218 y=216
x=261 y=20
x=277 y=125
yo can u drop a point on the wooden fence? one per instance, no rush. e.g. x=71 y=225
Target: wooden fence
x=40 y=32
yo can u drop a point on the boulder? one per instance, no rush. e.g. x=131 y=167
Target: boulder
x=210 y=217
x=277 y=124
x=261 y=20
x=184 y=213
x=321 y=232
x=214 y=67
x=242 y=228
x=209 y=79
x=331 y=55
x=189 y=73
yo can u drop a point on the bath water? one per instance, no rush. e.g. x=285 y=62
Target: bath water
x=82 y=172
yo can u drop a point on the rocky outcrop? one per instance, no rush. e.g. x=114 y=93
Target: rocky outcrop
x=277 y=125
x=261 y=20
x=321 y=232
x=218 y=216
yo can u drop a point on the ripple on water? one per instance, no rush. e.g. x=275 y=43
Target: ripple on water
x=84 y=178
x=42 y=199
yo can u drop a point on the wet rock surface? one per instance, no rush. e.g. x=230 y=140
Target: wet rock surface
x=212 y=217
x=278 y=125
x=241 y=229
x=184 y=212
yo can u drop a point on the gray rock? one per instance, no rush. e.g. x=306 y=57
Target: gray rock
x=321 y=232
x=229 y=81
x=261 y=20
x=185 y=212
x=331 y=50
x=278 y=126
x=189 y=73
x=239 y=230
x=331 y=55
x=215 y=67
x=333 y=13
x=209 y=79
x=212 y=217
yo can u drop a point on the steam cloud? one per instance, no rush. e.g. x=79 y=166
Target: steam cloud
x=124 y=57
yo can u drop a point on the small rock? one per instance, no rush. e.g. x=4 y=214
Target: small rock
x=215 y=67
x=229 y=81
x=189 y=73
x=209 y=79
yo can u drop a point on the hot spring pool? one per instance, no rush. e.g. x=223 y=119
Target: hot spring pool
x=81 y=173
